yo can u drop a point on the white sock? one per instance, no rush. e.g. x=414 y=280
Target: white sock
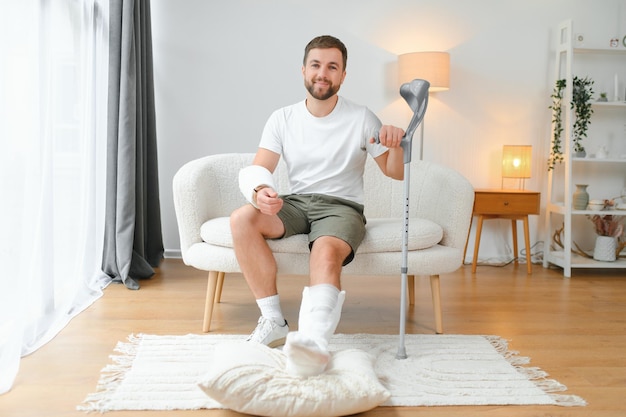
x=270 y=309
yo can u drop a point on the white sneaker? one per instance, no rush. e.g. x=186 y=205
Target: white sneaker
x=269 y=333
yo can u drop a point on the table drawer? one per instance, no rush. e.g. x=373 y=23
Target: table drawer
x=506 y=203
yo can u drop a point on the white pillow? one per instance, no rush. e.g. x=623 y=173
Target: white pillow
x=251 y=378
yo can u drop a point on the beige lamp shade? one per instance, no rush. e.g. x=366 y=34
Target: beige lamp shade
x=516 y=160
x=433 y=67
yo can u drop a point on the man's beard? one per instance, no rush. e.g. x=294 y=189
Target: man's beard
x=332 y=90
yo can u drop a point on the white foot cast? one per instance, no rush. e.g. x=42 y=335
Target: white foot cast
x=304 y=356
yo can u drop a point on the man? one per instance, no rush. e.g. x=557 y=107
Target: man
x=324 y=141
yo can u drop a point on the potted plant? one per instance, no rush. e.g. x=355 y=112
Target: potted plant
x=581 y=104
x=609 y=229
x=603 y=97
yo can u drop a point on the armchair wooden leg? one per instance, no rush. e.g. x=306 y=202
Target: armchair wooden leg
x=411 y=285
x=210 y=300
x=436 y=293
x=220 y=285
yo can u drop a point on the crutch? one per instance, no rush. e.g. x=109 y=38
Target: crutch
x=415 y=94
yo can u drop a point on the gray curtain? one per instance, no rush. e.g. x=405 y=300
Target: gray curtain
x=133 y=242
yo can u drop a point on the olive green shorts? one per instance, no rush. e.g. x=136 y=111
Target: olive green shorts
x=321 y=215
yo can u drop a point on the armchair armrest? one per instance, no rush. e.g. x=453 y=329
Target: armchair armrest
x=445 y=197
x=205 y=189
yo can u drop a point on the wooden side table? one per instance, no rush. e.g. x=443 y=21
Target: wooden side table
x=505 y=204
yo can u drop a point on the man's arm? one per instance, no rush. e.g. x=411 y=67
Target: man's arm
x=265 y=197
x=267 y=159
x=391 y=163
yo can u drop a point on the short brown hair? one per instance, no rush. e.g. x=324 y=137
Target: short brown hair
x=326 y=42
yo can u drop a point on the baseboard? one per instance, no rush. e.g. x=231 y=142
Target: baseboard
x=172 y=254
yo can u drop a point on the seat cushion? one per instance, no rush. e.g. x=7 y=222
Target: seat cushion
x=382 y=235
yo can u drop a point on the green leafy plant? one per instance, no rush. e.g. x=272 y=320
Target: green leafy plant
x=581 y=104
x=556 y=153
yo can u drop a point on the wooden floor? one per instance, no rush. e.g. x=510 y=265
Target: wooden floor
x=575 y=329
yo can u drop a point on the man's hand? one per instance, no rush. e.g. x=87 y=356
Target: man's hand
x=390 y=136
x=391 y=163
x=268 y=202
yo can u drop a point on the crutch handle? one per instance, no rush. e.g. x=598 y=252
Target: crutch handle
x=415 y=93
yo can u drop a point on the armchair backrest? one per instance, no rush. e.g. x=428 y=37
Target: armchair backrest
x=207 y=188
x=437 y=193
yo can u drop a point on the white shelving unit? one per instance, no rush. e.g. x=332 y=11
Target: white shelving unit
x=605 y=177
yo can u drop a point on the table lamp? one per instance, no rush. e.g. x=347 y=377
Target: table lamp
x=516 y=160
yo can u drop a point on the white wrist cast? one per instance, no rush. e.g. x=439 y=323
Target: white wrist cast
x=251 y=177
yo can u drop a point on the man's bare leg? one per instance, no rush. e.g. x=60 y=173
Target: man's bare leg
x=327 y=256
x=250 y=228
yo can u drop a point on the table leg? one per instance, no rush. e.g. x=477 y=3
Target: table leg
x=529 y=265
x=515 y=251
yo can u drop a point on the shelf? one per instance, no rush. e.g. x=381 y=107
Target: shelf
x=616 y=51
x=607 y=173
x=558 y=258
x=613 y=104
x=600 y=160
x=559 y=208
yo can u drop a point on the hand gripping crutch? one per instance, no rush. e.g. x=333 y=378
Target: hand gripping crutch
x=415 y=94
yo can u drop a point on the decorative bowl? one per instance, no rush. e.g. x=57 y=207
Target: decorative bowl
x=596 y=205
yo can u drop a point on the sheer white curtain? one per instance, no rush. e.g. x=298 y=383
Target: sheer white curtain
x=53 y=84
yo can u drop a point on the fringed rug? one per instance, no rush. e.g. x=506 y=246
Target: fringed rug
x=161 y=372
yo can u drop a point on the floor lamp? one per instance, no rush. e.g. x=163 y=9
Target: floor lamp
x=433 y=67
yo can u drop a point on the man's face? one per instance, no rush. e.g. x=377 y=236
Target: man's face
x=323 y=73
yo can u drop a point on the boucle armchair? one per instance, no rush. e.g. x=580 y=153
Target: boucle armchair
x=206 y=192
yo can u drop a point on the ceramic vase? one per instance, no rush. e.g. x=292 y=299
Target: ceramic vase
x=605 y=249
x=580 y=197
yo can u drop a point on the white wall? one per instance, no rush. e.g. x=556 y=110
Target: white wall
x=221 y=67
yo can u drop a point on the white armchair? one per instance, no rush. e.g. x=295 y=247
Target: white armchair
x=441 y=201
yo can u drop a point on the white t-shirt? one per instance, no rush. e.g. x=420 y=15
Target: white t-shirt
x=324 y=155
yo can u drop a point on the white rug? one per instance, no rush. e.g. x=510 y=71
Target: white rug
x=161 y=372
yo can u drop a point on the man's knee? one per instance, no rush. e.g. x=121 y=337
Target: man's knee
x=331 y=249
x=241 y=218
x=247 y=220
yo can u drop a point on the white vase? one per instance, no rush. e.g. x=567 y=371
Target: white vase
x=605 y=248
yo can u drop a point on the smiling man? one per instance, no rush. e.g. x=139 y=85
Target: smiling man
x=324 y=141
